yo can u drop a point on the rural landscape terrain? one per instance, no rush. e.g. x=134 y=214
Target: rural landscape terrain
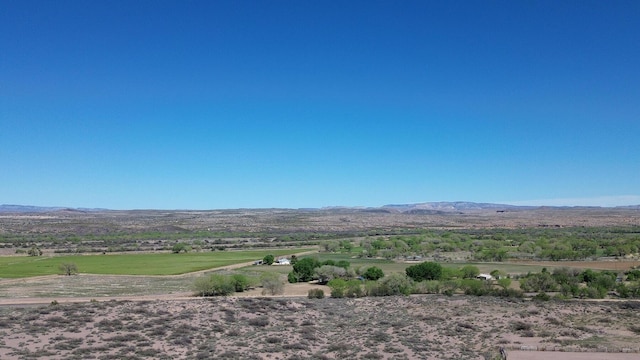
x=423 y=281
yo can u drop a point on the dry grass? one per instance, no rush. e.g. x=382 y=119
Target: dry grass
x=415 y=327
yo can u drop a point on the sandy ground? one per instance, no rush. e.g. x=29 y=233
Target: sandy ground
x=403 y=327
x=546 y=355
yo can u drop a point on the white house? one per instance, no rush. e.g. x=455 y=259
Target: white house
x=282 y=261
x=484 y=277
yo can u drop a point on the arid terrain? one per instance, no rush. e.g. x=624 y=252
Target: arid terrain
x=156 y=317
x=413 y=327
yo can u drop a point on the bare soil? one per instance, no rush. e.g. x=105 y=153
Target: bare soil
x=414 y=327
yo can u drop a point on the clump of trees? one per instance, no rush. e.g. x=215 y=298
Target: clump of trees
x=503 y=244
x=307 y=269
x=222 y=285
x=572 y=283
x=425 y=271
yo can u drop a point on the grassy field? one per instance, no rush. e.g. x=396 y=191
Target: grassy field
x=132 y=264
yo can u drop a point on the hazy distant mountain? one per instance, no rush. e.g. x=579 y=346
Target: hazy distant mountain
x=445 y=206
x=39 y=209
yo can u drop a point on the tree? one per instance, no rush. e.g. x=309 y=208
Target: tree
x=331 y=246
x=394 y=284
x=541 y=282
x=469 y=272
x=425 y=271
x=347 y=245
x=373 y=273
x=180 y=247
x=268 y=259
x=338 y=287
x=34 y=251
x=271 y=283
x=69 y=269
x=326 y=273
x=504 y=283
x=241 y=282
x=304 y=268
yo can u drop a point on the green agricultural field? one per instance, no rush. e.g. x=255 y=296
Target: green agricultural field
x=132 y=264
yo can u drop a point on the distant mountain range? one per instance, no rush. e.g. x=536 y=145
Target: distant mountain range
x=41 y=209
x=419 y=208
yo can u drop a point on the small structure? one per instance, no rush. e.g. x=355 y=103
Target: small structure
x=484 y=277
x=258 y=262
x=282 y=261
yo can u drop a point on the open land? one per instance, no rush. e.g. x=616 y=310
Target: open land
x=95 y=316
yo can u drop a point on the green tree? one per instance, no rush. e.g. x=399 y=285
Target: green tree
x=180 y=247
x=34 y=251
x=469 y=272
x=373 y=273
x=268 y=259
x=304 y=268
x=338 y=288
x=394 y=284
x=68 y=269
x=425 y=271
x=241 y=282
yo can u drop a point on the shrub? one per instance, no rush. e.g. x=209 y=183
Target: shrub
x=338 y=288
x=271 y=284
x=354 y=289
x=214 y=285
x=542 y=297
x=68 y=269
x=34 y=251
x=469 y=272
x=180 y=247
x=315 y=294
x=241 y=282
x=373 y=273
x=394 y=284
x=425 y=271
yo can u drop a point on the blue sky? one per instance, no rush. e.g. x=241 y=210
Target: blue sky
x=229 y=104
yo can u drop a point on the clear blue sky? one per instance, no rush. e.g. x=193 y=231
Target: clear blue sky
x=228 y=104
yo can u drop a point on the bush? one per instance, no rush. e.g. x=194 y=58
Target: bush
x=427 y=287
x=271 y=284
x=214 y=285
x=315 y=294
x=469 y=272
x=373 y=273
x=425 y=271
x=394 y=284
x=34 y=251
x=241 y=282
x=542 y=297
x=180 y=247
x=354 y=289
x=338 y=288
